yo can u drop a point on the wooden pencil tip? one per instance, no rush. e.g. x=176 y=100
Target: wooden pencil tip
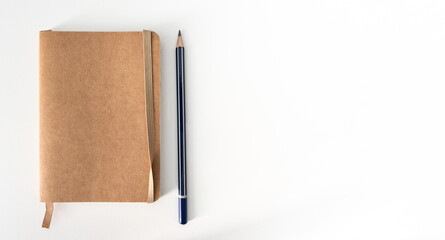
x=179 y=42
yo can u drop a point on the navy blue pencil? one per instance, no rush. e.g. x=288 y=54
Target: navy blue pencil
x=180 y=98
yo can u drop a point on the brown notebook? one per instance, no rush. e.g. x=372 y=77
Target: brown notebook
x=99 y=117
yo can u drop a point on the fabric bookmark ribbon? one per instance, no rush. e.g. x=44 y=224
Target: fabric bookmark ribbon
x=48 y=215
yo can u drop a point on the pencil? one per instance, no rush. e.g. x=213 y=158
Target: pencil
x=180 y=101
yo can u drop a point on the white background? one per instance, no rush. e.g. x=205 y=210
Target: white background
x=306 y=120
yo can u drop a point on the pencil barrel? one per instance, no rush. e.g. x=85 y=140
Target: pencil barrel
x=181 y=122
x=181 y=128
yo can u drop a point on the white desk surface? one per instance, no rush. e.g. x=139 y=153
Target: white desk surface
x=306 y=119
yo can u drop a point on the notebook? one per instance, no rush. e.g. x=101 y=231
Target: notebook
x=99 y=116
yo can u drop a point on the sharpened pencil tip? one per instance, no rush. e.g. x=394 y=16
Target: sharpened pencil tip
x=179 y=42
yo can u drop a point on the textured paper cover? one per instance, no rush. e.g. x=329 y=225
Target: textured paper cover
x=93 y=130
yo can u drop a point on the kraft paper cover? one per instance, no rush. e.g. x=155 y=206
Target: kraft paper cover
x=94 y=144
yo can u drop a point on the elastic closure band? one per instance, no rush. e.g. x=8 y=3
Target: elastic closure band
x=149 y=108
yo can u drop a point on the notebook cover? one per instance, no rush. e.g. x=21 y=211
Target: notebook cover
x=93 y=121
